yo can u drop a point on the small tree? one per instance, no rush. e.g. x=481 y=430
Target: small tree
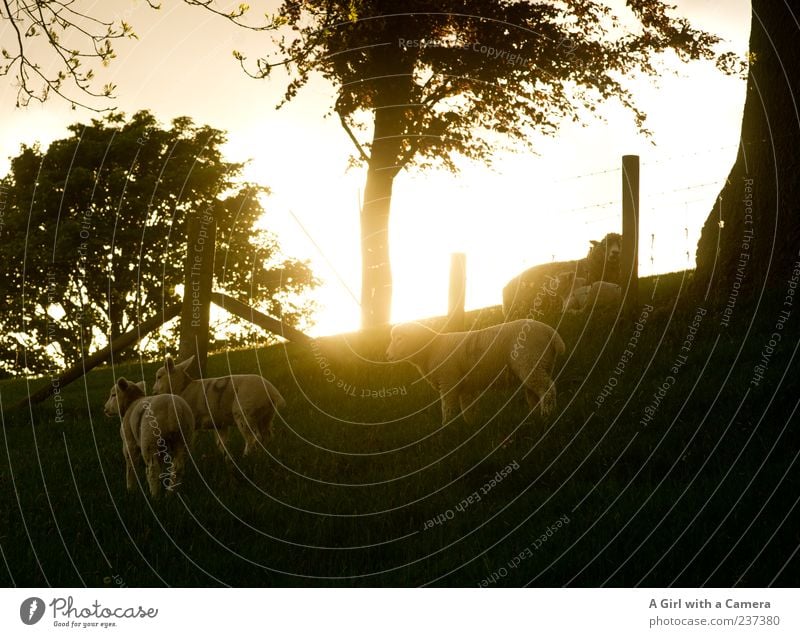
x=421 y=83
x=94 y=235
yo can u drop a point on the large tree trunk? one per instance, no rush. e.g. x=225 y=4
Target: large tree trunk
x=749 y=244
x=376 y=272
x=392 y=97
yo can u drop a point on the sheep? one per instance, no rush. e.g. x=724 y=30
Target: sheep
x=534 y=293
x=155 y=428
x=461 y=364
x=568 y=285
x=247 y=401
x=603 y=260
x=578 y=297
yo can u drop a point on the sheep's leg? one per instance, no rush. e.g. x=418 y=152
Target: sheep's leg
x=468 y=407
x=223 y=444
x=177 y=468
x=540 y=391
x=131 y=454
x=451 y=407
x=535 y=373
x=245 y=428
x=153 y=473
x=547 y=404
x=265 y=430
x=172 y=471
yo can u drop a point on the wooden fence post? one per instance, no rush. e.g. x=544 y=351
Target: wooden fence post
x=197 y=281
x=630 y=234
x=458 y=291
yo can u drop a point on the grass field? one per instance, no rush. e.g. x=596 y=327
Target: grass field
x=361 y=485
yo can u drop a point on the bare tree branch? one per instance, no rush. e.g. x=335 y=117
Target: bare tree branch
x=57 y=21
x=352 y=136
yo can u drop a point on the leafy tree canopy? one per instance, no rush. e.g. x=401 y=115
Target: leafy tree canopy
x=423 y=83
x=452 y=70
x=94 y=236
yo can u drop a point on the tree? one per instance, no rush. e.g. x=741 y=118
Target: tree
x=49 y=45
x=749 y=245
x=94 y=235
x=72 y=40
x=449 y=79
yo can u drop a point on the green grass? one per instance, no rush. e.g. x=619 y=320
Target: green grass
x=344 y=491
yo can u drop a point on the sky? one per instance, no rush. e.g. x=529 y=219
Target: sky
x=528 y=209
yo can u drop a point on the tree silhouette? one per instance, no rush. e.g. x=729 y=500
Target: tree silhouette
x=94 y=235
x=748 y=249
x=422 y=83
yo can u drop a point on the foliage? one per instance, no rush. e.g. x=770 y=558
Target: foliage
x=468 y=69
x=49 y=45
x=433 y=82
x=55 y=34
x=94 y=235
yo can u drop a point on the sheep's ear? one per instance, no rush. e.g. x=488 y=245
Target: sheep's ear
x=142 y=386
x=185 y=364
x=594 y=243
x=168 y=364
x=122 y=384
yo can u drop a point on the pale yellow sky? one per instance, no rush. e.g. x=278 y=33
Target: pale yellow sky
x=529 y=210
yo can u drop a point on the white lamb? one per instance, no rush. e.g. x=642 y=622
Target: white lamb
x=247 y=401
x=568 y=285
x=155 y=428
x=581 y=298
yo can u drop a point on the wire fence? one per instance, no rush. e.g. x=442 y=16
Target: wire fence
x=607 y=214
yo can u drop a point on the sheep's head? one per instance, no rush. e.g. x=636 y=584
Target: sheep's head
x=408 y=341
x=607 y=250
x=172 y=378
x=122 y=394
x=604 y=258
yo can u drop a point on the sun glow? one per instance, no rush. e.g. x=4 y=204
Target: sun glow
x=529 y=209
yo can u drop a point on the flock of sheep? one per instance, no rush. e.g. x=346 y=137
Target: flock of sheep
x=588 y=284
x=159 y=428
x=459 y=365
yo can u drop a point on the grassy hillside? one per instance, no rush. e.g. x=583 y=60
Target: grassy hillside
x=361 y=484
